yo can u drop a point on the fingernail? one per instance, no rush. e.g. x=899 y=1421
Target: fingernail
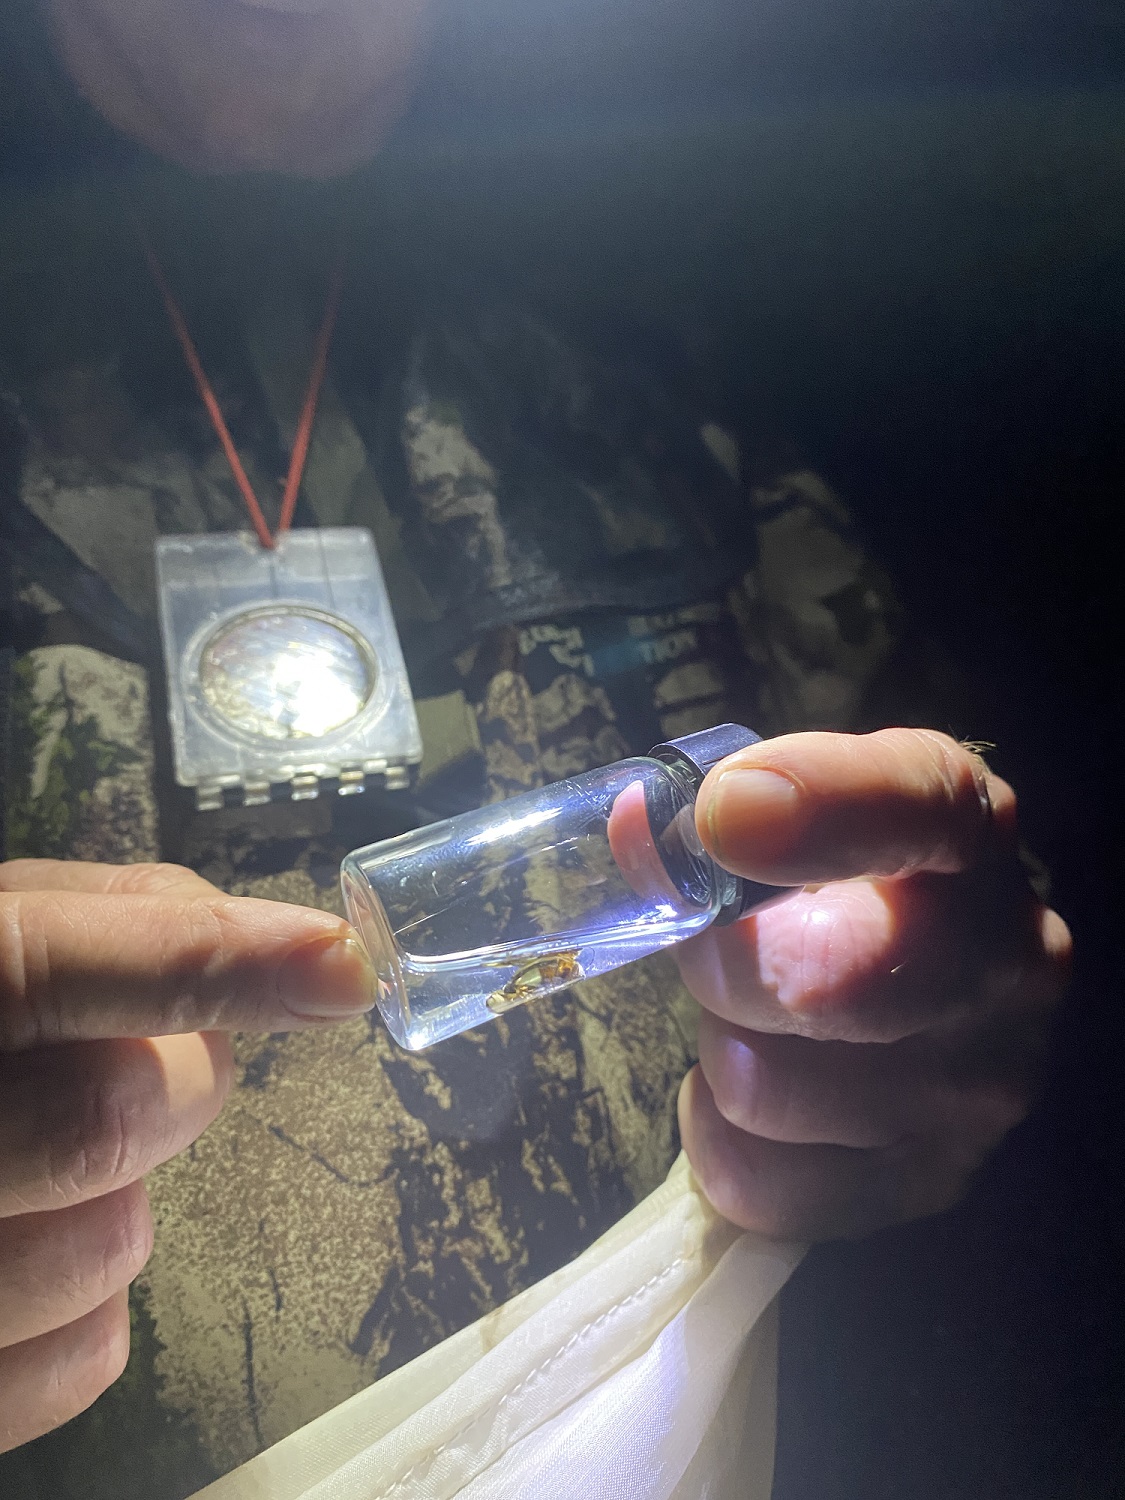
x=328 y=979
x=751 y=811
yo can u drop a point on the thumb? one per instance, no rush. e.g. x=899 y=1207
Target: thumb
x=815 y=807
x=77 y=965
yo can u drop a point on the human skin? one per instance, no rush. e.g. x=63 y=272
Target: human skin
x=867 y=1041
x=863 y=1043
x=307 y=87
x=118 y=988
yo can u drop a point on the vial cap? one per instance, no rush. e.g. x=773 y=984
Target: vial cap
x=696 y=754
x=706 y=748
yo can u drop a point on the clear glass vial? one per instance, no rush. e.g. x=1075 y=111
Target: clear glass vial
x=472 y=916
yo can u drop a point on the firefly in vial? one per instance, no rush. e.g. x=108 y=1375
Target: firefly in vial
x=537 y=978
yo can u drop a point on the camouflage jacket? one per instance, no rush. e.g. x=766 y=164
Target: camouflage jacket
x=581 y=564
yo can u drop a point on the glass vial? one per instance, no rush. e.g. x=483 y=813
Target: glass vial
x=470 y=917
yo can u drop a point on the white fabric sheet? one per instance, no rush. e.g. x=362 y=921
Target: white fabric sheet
x=644 y=1370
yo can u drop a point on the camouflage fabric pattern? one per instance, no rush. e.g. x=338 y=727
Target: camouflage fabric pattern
x=355 y=1204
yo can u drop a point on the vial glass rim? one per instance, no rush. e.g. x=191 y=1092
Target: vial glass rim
x=366 y=911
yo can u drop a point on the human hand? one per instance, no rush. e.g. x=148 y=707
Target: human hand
x=117 y=986
x=867 y=1041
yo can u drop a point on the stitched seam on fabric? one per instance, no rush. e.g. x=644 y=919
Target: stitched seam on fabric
x=575 y=1338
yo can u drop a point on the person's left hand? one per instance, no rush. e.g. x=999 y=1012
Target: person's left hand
x=865 y=1042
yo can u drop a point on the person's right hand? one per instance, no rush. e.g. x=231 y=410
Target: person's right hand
x=117 y=986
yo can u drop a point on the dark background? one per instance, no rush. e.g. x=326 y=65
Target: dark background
x=895 y=230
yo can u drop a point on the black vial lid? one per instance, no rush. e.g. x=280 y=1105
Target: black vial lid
x=693 y=755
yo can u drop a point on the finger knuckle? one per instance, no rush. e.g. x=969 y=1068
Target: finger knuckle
x=710 y=1151
x=212 y=942
x=742 y=1195
x=18 y=1026
x=150 y=879
x=959 y=780
x=948 y=793
x=739 y=1108
x=734 y=1075
x=89 y=1252
x=723 y=1180
x=104 y=1139
x=950 y=763
x=106 y=1355
x=86 y=1358
x=828 y=1000
x=127 y=1241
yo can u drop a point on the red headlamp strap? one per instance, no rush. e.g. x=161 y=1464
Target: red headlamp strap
x=222 y=432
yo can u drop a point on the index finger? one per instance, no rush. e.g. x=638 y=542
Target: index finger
x=99 y=879
x=808 y=808
x=75 y=965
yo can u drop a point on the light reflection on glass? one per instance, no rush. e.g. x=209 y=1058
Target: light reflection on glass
x=286 y=674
